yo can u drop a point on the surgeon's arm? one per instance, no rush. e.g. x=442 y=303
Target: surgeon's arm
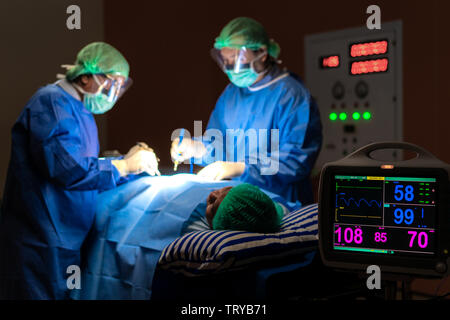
x=57 y=147
x=213 y=138
x=300 y=138
x=204 y=149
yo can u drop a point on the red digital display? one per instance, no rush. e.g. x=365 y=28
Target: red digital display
x=369 y=49
x=330 y=62
x=369 y=66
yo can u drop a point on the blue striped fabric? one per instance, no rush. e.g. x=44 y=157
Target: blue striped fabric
x=206 y=252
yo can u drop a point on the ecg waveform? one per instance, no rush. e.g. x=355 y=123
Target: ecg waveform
x=347 y=202
x=359 y=202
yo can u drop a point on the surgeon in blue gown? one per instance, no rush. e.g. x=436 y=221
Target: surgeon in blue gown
x=55 y=174
x=265 y=101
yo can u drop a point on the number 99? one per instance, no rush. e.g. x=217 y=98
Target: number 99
x=400 y=216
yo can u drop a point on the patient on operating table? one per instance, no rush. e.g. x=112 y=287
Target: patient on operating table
x=242 y=208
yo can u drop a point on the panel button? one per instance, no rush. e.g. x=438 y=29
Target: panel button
x=361 y=89
x=338 y=91
x=441 y=267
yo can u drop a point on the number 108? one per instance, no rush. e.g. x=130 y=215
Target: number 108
x=349 y=235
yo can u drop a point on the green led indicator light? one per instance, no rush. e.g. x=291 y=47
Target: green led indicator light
x=356 y=116
x=343 y=116
x=333 y=116
x=367 y=115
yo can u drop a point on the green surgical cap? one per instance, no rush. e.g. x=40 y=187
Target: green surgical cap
x=99 y=58
x=247 y=208
x=246 y=32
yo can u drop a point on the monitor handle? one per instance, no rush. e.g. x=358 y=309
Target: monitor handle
x=365 y=151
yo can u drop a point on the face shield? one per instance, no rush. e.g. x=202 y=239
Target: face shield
x=113 y=87
x=236 y=60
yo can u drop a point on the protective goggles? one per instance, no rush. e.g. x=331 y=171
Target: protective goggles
x=235 y=59
x=112 y=87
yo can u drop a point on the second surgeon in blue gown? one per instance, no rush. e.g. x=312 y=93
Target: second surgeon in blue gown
x=261 y=97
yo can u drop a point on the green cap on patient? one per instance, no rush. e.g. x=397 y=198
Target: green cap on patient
x=247 y=208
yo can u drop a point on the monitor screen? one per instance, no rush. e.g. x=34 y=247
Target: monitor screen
x=379 y=215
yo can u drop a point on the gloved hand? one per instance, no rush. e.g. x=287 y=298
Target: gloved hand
x=221 y=170
x=139 y=159
x=187 y=149
x=137 y=147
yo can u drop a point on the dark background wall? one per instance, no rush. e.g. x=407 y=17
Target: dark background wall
x=34 y=43
x=176 y=82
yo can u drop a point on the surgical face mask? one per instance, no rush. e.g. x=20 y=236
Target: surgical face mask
x=97 y=103
x=240 y=73
x=103 y=100
x=244 y=78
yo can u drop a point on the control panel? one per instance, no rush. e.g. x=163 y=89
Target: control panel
x=355 y=77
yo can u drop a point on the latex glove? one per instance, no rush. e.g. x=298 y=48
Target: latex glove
x=137 y=147
x=143 y=146
x=187 y=149
x=221 y=170
x=136 y=162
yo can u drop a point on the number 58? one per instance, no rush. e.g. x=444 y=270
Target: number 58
x=408 y=194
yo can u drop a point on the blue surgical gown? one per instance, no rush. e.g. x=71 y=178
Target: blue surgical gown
x=285 y=105
x=53 y=179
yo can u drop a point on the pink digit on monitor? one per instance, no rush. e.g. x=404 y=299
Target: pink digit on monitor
x=338 y=231
x=423 y=244
x=377 y=237
x=413 y=234
x=358 y=236
x=348 y=231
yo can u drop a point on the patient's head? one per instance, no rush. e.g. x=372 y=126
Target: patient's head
x=245 y=208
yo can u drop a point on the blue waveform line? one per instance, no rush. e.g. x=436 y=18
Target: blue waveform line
x=358 y=203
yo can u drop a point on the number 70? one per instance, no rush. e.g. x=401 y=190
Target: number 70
x=422 y=239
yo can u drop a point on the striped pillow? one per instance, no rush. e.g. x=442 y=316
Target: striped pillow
x=207 y=252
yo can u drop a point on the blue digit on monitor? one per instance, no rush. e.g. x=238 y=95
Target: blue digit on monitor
x=400 y=216
x=408 y=195
x=398 y=192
